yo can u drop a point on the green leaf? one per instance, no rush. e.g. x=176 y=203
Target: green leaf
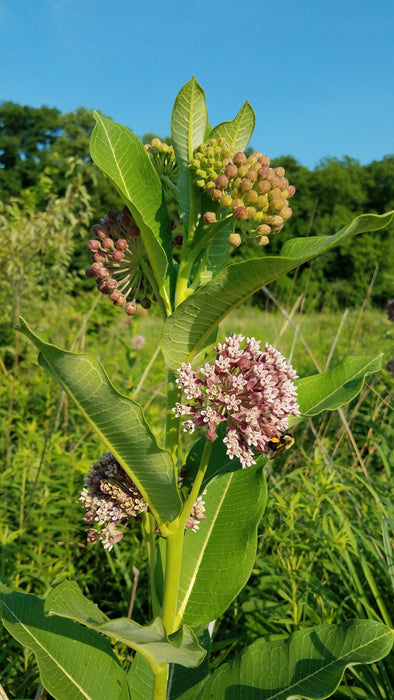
x=238 y=131
x=151 y=641
x=338 y=386
x=123 y=159
x=217 y=559
x=189 y=122
x=309 y=664
x=118 y=420
x=67 y=654
x=183 y=683
x=186 y=330
x=217 y=252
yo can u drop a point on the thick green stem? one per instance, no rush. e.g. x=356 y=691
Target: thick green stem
x=160 y=683
x=150 y=540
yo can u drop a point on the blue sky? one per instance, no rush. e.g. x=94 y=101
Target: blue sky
x=318 y=73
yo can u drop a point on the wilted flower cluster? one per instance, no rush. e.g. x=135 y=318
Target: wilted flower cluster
x=111 y=499
x=246 y=187
x=117 y=252
x=252 y=390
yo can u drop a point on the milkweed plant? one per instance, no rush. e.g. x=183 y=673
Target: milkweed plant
x=238 y=399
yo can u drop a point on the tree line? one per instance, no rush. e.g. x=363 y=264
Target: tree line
x=37 y=142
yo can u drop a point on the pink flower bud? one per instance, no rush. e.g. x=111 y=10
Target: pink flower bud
x=94 y=244
x=210 y=217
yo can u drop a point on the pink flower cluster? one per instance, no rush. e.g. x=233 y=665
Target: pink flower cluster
x=252 y=390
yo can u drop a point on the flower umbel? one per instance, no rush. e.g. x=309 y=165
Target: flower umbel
x=246 y=188
x=111 y=499
x=252 y=390
x=117 y=254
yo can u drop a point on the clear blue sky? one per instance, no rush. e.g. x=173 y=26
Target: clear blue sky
x=318 y=73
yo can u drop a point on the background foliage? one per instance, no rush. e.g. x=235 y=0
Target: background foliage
x=35 y=141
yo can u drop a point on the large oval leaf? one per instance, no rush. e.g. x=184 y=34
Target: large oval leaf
x=189 y=121
x=217 y=559
x=122 y=157
x=309 y=664
x=329 y=390
x=68 y=655
x=118 y=420
x=192 y=322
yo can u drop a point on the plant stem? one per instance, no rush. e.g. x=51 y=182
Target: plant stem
x=173 y=568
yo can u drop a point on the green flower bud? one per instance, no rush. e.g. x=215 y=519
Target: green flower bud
x=226 y=201
x=251 y=197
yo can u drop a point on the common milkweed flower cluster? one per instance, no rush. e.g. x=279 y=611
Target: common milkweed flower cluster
x=252 y=389
x=118 y=254
x=112 y=499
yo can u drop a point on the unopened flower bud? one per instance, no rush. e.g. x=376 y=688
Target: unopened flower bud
x=264 y=229
x=245 y=185
x=99 y=258
x=231 y=171
x=130 y=308
x=121 y=244
x=174 y=223
x=94 y=244
x=263 y=186
x=234 y=240
x=222 y=181
x=146 y=303
x=117 y=255
x=239 y=158
x=100 y=231
x=226 y=201
x=263 y=240
x=215 y=193
x=209 y=217
x=120 y=300
x=240 y=213
x=178 y=239
x=108 y=244
x=102 y=273
x=133 y=231
x=286 y=213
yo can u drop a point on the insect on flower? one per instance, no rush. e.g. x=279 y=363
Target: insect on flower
x=278 y=444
